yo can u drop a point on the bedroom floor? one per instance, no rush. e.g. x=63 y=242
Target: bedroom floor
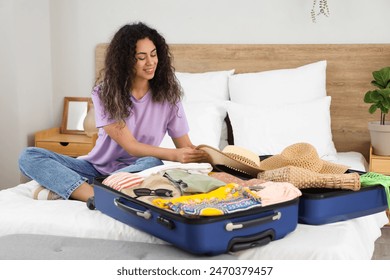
x=382 y=245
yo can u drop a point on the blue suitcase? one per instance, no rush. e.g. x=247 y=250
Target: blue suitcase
x=202 y=235
x=318 y=206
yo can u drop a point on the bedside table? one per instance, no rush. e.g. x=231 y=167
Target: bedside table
x=379 y=164
x=73 y=145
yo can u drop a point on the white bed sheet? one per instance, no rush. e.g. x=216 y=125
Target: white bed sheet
x=353 y=239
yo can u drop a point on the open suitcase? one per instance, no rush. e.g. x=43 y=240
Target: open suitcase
x=319 y=206
x=201 y=235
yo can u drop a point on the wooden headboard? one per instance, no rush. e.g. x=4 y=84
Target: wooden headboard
x=349 y=73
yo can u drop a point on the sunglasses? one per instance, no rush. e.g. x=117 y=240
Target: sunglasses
x=158 y=192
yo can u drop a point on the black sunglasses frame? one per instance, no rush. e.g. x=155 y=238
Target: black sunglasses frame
x=157 y=192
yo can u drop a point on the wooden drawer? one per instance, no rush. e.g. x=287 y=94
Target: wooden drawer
x=66 y=148
x=380 y=165
x=66 y=144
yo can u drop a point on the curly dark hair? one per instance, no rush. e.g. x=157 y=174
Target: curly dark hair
x=118 y=73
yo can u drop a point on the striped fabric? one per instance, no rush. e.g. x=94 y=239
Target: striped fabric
x=123 y=180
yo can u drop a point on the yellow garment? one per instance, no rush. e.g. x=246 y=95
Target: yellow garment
x=226 y=193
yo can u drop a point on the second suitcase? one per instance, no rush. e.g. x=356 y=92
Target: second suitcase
x=319 y=206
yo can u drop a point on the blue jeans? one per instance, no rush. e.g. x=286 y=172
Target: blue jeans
x=63 y=174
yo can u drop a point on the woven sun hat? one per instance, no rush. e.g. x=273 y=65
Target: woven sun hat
x=302 y=155
x=303 y=178
x=233 y=159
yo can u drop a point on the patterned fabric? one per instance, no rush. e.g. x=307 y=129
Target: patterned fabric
x=224 y=200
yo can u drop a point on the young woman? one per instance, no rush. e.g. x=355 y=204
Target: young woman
x=137 y=101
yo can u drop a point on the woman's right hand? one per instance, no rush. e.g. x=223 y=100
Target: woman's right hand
x=187 y=155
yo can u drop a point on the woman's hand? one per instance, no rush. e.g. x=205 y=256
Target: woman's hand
x=187 y=155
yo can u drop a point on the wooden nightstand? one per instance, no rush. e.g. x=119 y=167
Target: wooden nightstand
x=67 y=144
x=379 y=164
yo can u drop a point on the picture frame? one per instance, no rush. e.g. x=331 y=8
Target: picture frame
x=74 y=113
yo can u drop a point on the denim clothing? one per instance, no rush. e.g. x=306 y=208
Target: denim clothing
x=63 y=174
x=141 y=164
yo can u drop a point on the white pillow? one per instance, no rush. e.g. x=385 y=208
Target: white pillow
x=273 y=87
x=268 y=130
x=204 y=87
x=205 y=120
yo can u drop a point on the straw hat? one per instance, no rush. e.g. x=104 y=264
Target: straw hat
x=302 y=155
x=234 y=159
x=303 y=178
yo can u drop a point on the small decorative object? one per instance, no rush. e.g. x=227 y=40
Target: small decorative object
x=89 y=121
x=380 y=99
x=320 y=9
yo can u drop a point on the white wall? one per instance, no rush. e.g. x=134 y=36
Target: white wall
x=25 y=80
x=40 y=68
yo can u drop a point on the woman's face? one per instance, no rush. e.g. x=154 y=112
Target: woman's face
x=146 y=56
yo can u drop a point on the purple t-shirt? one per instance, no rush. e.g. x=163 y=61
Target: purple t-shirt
x=148 y=122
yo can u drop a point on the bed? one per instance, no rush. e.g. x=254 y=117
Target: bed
x=273 y=95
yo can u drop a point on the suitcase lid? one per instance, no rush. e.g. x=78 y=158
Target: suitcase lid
x=321 y=193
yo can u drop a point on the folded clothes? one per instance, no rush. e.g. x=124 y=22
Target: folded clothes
x=144 y=189
x=193 y=183
x=193 y=168
x=269 y=192
x=123 y=180
x=228 y=178
x=276 y=192
x=152 y=187
x=224 y=200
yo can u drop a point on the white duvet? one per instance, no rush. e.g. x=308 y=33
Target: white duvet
x=353 y=239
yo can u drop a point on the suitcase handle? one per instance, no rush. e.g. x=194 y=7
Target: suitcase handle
x=144 y=214
x=247 y=242
x=274 y=216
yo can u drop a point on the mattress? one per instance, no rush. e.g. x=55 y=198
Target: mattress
x=22 y=216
